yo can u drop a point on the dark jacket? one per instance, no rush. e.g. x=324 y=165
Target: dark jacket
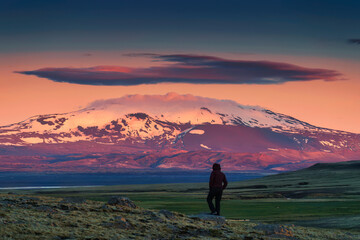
x=217 y=178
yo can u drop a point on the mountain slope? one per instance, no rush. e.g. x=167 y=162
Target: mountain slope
x=166 y=131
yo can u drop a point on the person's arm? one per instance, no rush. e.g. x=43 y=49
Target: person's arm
x=211 y=181
x=225 y=182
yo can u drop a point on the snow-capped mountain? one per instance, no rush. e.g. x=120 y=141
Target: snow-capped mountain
x=179 y=125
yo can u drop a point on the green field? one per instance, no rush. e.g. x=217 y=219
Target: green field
x=325 y=195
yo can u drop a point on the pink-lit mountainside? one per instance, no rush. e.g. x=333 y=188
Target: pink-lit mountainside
x=172 y=131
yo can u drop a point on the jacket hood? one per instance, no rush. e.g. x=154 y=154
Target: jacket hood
x=216 y=167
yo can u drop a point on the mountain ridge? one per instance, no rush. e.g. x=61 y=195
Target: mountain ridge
x=164 y=126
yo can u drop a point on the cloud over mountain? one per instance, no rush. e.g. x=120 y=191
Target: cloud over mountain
x=186 y=68
x=160 y=104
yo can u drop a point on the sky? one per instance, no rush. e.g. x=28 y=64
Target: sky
x=299 y=58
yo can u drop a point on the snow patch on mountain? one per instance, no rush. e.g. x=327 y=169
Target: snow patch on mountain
x=33 y=140
x=140 y=118
x=191 y=109
x=273 y=149
x=204 y=146
x=197 y=131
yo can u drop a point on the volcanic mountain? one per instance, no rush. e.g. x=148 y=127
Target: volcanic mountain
x=170 y=132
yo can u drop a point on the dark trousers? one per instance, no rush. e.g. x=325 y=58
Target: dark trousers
x=217 y=193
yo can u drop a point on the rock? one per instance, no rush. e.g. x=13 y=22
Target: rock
x=67 y=237
x=106 y=208
x=73 y=200
x=7 y=203
x=29 y=199
x=172 y=227
x=29 y=202
x=2 y=214
x=120 y=222
x=220 y=220
x=167 y=214
x=27 y=206
x=191 y=231
x=122 y=201
x=64 y=207
x=248 y=238
x=153 y=216
x=274 y=230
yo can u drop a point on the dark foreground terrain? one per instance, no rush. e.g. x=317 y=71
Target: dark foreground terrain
x=25 y=217
x=321 y=202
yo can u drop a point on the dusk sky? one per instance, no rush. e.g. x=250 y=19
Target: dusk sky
x=299 y=58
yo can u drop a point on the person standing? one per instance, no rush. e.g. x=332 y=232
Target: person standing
x=217 y=184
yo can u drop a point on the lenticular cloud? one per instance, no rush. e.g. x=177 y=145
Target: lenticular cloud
x=196 y=69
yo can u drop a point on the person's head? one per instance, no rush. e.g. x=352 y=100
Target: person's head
x=216 y=166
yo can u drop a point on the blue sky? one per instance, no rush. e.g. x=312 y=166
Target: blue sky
x=317 y=28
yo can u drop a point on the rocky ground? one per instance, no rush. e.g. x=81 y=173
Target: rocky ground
x=33 y=217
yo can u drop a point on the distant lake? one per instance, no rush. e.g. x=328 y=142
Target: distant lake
x=21 y=180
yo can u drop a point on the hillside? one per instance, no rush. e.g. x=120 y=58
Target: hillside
x=330 y=180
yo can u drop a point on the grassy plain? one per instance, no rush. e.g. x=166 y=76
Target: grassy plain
x=325 y=195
